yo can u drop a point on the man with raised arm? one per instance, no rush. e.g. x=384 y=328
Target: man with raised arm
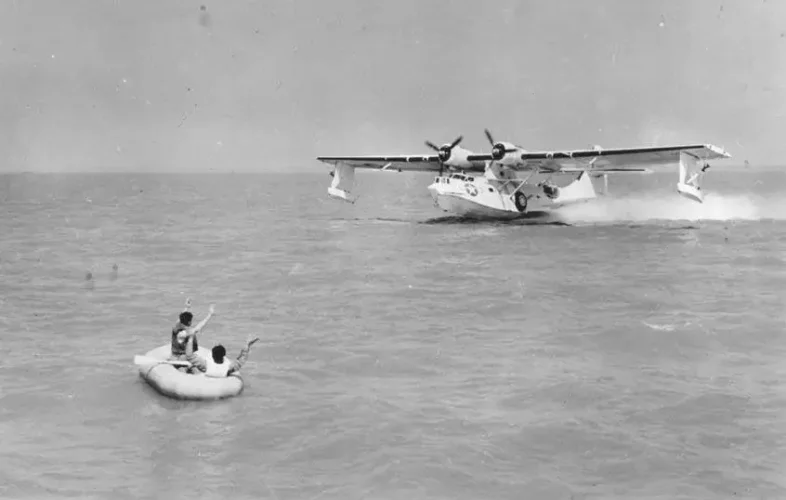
x=217 y=365
x=183 y=331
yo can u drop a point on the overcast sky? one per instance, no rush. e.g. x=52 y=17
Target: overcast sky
x=262 y=85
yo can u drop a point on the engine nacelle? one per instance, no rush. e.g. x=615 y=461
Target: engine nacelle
x=459 y=158
x=503 y=152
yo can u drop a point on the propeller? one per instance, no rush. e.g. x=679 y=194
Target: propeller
x=444 y=151
x=498 y=150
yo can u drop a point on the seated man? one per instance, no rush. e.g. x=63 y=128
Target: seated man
x=183 y=331
x=217 y=365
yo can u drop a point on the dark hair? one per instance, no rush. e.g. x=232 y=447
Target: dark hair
x=186 y=317
x=218 y=353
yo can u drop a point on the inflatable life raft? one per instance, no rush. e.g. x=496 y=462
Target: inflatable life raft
x=171 y=382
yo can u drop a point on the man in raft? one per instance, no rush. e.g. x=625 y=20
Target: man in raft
x=183 y=331
x=217 y=365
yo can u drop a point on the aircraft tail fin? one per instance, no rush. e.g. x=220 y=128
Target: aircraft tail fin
x=579 y=190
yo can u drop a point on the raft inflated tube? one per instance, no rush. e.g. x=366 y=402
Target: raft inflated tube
x=176 y=384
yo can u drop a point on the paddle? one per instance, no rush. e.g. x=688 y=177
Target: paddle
x=146 y=360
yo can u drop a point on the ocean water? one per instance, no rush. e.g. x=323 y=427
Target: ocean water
x=632 y=349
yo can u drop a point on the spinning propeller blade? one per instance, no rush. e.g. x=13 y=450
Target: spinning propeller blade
x=498 y=150
x=444 y=151
x=488 y=135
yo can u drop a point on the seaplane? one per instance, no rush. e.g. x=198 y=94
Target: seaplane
x=512 y=182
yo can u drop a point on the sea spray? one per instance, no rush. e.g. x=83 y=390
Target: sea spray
x=642 y=207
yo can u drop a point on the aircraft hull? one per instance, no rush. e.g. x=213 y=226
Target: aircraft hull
x=463 y=207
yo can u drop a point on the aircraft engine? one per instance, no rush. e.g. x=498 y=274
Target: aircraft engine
x=446 y=153
x=499 y=149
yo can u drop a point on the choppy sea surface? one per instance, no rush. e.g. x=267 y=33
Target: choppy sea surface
x=634 y=350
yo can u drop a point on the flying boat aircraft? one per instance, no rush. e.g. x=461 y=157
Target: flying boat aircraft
x=506 y=183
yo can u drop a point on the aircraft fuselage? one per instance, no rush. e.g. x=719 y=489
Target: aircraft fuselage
x=467 y=195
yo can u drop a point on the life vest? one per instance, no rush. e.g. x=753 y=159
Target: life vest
x=179 y=348
x=217 y=370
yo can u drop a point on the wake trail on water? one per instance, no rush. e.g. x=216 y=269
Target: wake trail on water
x=716 y=207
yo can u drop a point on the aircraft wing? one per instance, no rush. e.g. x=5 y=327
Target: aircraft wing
x=618 y=160
x=344 y=168
x=408 y=163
